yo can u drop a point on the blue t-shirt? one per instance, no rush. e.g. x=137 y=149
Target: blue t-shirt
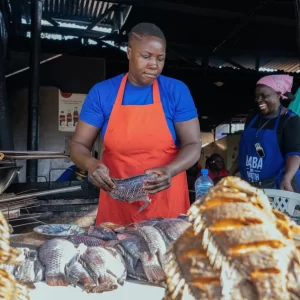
x=176 y=99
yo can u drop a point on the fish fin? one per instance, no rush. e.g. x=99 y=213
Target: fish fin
x=143 y=206
x=152 y=269
x=151 y=247
x=72 y=280
x=71 y=263
x=120 y=280
x=28 y=285
x=92 y=274
x=57 y=280
x=103 y=287
x=154 y=273
x=81 y=249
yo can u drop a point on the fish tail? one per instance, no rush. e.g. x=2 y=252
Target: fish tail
x=153 y=270
x=143 y=207
x=98 y=289
x=57 y=280
x=28 y=285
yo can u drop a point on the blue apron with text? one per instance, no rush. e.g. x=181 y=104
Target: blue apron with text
x=253 y=168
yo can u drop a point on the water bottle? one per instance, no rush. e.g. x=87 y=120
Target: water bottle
x=203 y=184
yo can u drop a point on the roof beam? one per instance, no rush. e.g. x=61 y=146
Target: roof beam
x=209 y=12
x=93 y=34
x=104 y=15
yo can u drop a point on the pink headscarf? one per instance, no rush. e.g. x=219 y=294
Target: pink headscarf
x=279 y=83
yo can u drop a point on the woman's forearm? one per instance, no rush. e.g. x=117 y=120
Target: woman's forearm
x=81 y=156
x=187 y=156
x=291 y=167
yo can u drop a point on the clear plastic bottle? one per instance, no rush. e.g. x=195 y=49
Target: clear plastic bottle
x=203 y=184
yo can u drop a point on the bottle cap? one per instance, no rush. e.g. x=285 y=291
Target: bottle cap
x=204 y=172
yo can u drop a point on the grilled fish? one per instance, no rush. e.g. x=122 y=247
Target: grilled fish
x=56 y=255
x=22 y=292
x=244 y=238
x=105 y=267
x=189 y=273
x=8 y=286
x=131 y=190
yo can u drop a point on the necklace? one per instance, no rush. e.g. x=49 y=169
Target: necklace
x=260 y=127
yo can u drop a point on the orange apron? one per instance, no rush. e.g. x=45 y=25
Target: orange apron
x=137 y=138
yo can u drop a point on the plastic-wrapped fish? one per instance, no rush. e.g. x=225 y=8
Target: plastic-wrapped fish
x=131 y=190
x=56 y=255
x=105 y=267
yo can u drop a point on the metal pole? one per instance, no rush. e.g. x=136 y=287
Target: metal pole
x=33 y=95
x=6 y=136
x=70 y=189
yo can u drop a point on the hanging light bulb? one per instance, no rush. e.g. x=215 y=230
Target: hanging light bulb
x=219 y=83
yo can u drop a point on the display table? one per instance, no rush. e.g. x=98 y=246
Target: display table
x=132 y=290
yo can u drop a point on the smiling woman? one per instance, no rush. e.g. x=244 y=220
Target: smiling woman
x=149 y=124
x=269 y=152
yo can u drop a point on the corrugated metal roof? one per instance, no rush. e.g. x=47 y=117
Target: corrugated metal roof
x=289 y=65
x=76 y=11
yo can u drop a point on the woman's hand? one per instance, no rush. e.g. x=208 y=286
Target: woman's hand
x=162 y=182
x=98 y=175
x=286 y=185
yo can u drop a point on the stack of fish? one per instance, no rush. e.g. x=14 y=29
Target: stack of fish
x=237 y=248
x=144 y=245
x=10 y=288
x=101 y=259
x=97 y=268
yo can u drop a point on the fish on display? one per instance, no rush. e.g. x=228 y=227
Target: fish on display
x=131 y=190
x=90 y=241
x=106 y=270
x=30 y=270
x=136 y=248
x=77 y=274
x=155 y=241
x=56 y=255
x=102 y=233
x=171 y=229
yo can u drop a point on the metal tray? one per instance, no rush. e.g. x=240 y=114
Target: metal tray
x=59 y=230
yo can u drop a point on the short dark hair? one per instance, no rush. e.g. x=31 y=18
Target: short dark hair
x=146 y=29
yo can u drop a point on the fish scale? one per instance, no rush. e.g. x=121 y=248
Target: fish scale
x=105 y=267
x=131 y=190
x=171 y=229
x=133 y=243
x=56 y=255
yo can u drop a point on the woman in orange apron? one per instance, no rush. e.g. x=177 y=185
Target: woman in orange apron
x=149 y=124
